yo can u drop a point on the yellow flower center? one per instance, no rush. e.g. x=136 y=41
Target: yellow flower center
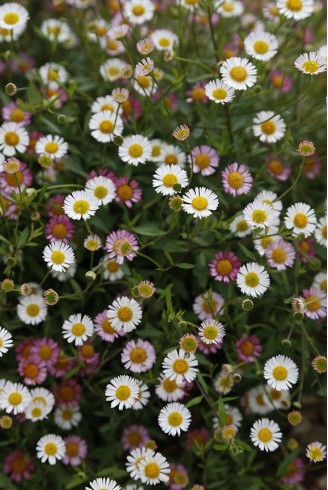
x=315 y=454
x=17 y=115
x=219 y=93
x=261 y=47
x=152 y=470
x=11 y=138
x=134 y=439
x=321 y=364
x=224 y=267
x=180 y=366
x=106 y=127
x=124 y=192
x=202 y=160
x=138 y=10
x=242 y=226
x=67 y=414
x=314 y=303
x=54 y=30
x=53 y=75
x=247 y=348
x=323 y=285
x=268 y=127
x=275 y=394
x=57 y=257
x=92 y=244
x=294 y=5
x=11 y=18
x=252 y=279
x=59 y=230
x=175 y=419
x=259 y=216
x=143 y=81
x=171 y=159
x=189 y=344
x=169 y=385
x=125 y=314
x=228 y=7
x=164 y=42
x=100 y=192
x=106 y=326
x=276 y=167
x=45 y=352
x=280 y=373
x=210 y=332
x=113 y=71
x=169 y=180
x=300 y=220
x=279 y=255
x=50 y=448
x=135 y=150
x=238 y=73
x=198 y=94
x=15 y=398
x=36 y=412
x=107 y=107
x=138 y=355
x=199 y=203
x=260 y=399
x=51 y=147
x=78 y=329
x=31 y=371
x=235 y=180
x=265 y=435
x=265 y=241
x=112 y=44
x=123 y=392
x=33 y=309
x=72 y=449
x=310 y=66
x=87 y=351
x=112 y=266
x=81 y=206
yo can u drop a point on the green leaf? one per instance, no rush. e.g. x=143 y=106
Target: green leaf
x=194 y=401
x=202 y=382
x=243 y=445
x=222 y=412
x=168 y=297
x=6 y=483
x=220 y=447
x=113 y=472
x=23 y=236
x=185 y=265
x=148 y=230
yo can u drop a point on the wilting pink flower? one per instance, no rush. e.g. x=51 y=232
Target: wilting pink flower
x=248 y=348
x=18 y=466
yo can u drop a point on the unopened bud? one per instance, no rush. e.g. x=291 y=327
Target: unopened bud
x=151 y=444
x=286 y=343
x=61 y=119
x=45 y=161
x=292 y=444
x=91 y=275
x=25 y=289
x=175 y=203
x=50 y=297
x=247 y=305
x=11 y=262
x=118 y=140
x=236 y=378
x=35 y=216
x=7 y=285
x=6 y=422
x=298 y=316
x=10 y=89
x=182 y=324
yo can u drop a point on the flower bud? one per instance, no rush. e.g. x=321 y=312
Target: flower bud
x=286 y=343
x=50 y=297
x=6 y=422
x=175 y=203
x=247 y=305
x=7 y=285
x=118 y=140
x=61 y=119
x=25 y=289
x=90 y=275
x=10 y=89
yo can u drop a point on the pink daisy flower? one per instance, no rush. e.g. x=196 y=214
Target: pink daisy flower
x=34 y=137
x=76 y=450
x=11 y=112
x=208 y=348
x=306 y=249
x=312 y=167
x=280 y=81
x=131 y=108
x=295 y=472
x=127 y=192
x=23 y=349
x=54 y=205
x=104 y=329
x=178 y=477
x=202 y=308
x=18 y=466
x=277 y=168
x=236 y=179
x=33 y=371
x=205 y=160
x=8 y=182
x=317 y=303
x=135 y=436
x=121 y=244
x=45 y=350
x=138 y=356
x=23 y=63
x=280 y=254
x=59 y=228
x=248 y=348
x=67 y=393
x=224 y=267
x=104 y=172
x=87 y=353
x=197 y=93
x=62 y=366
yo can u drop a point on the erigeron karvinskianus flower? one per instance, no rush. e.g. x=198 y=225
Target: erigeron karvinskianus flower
x=125 y=313
x=53 y=146
x=81 y=204
x=14 y=397
x=316 y=452
x=253 y=279
x=280 y=372
x=300 y=218
x=13 y=138
x=219 y=91
x=179 y=366
x=122 y=391
x=261 y=45
x=102 y=188
x=77 y=328
x=200 y=202
x=50 y=448
x=238 y=73
x=174 y=418
x=266 y=435
x=169 y=179
x=103 y=484
x=135 y=149
x=269 y=127
x=295 y=9
x=58 y=256
x=121 y=244
x=5 y=341
x=105 y=125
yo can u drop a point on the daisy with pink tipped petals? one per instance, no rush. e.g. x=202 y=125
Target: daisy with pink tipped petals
x=316 y=303
x=236 y=179
x=204 y=159
x=128 y=191
x=124 y=313
x=207 y=308
x=248 y=348
x=104 y=329
x=138 y=356
x=121 y=244
x=211 y=332
x=224 y=267
x=59 y=228
x=144 y=67
x=76 y=450
x=280 y=254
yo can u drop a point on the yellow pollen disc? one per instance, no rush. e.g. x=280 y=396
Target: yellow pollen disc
x=78 y=329
x=15 y=398
x=316 y=454
x=54 y=30
x=275 y=394
x=11 y=138
x=59 y=230
x=106 y=127
x=31 y=371
x=260 y=400
x=138 y=10
x=53 y=75
x=274 y=11
x=17 y=115
x=138 y=355
x=87 y=351
x=175 y=419
x=169 y=180
x=33 y=310
x=112 y=44
x=152 y=470
x=145 y=291
x=107 y=328
x=125 y=314
x=189 y=344
x=45 y=352
x=310 y=66
x=238 y=73
x=135 y=150
x=112 y=266
x=247 y=348
x=113 y=71
x=156 y=151
x=300 y=220
x=259 y=216
x=171 y=159
x=323 y=286
x=294 y=5
x=81 y=206
x=228 y=7
x=268 y=127
x=51 y=147
x=202 y=160
x=50 y=448
x=314 y=301
x=199 y=203
x=92 y=245
x=280 y=373
x=276 y=167
x=229 y=419
x=143 y=81
x=57 y=257
x=219 y=93
x=210 y=332
x=180 y=366
x=242 y=226
x=107 y=107
x=1 y=343
x=123 y=392
x=11 y=18
x=252 y=279
x=198 y=94
x=265 y=435
x=235 y=180
x=72 y=449
x=36 y=412
x=100 y=192
x=124 y=192
x=277 y=81
x=279 y=256
x=169 y=385
x=224 y=267
x=265 y=241
x=164 y=42
x=67 y=414
x=261 y=47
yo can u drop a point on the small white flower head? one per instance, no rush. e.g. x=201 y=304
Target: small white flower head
x=238 y=73
x=266 y=435
x=144 y=67
x=67 y=416
x=51 y=145
x=219 y=91
x=321 y=231
x=44 y=396
x=51 y=448
x=154 y=469
x=135 y=149
x=53 y=75
x=81 y=204
x=320 y=281
x=13 y=138
x=134 y=459
x=122 y=391
x=105 y=125
x=111 y=70
x=164 y=40
x=280 y=372
x=58 y=256
x=169 y=390
x=169 y=179
x=269 y=127
x=36 y=411
x=174 y=418
x=13 y=16
x=259 y=214
x=200 y=202
x=261 y=45
x=253 y=279
x=233 y=417
x=311 y=63
x=300 y=218
x=6 y=341
x=240 y=227
x=102 y=188
x=124 y=313
x=295 y=9
x=143 y=396
x=31 y=310
x=77 y=328
x=211 y=331
x=14 y=397
x=179 y=366
x=105 y=103
x=103 y=484
x=138 y=356
x=270 y=198
x=137 y=12
x=316 y=452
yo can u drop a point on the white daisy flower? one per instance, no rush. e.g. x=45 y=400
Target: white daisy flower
x=174 y=418
x=13 y=138
x=211 y=331
x=164 y=40
x=53 y=75
x=280 y=372
x=51 y=145
x=112 y=270
x=295 y=9
x=14 y=397
x=134 y=459
x=13 y=16
x=80 y=204
x=111 y=70
x=268 y=126
x=138 y=356
x=6 y=341
x=253 y=279
x=43 y=397
x=58 y=256
x=144 y=85
x=266 y=435
x=122 y=391
x=229 y=8
x=316 y=452
x=321 y=231
x=103 y=484
x=77 y=328
x=55 y=30
x=258 y=401
x=35 y=411
x=322 y=52
x=105 y=126
x=112 y=46
x=171 y=155
x=124 y=313
x=240 y=227
x=270 y=198
x=168 y=176
x=31 y=310
x=300 y=218
x=311 y=63
x=102 y=188
x=320 y=281
x=224 y=382
x=259 y=214
x=169 y=390
x=143 y=396
x=106 y=103
x=137 y=12
x=135 y=149
x=219 y=91
x=180 y=366
x=154 y=469
x=278 y=399
x=233 y=417
x=67 y=417
x=50 y=448
x=238 y=73
x=200 y=202
x=261 y=45
x=157 y=147
x=64 y=276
